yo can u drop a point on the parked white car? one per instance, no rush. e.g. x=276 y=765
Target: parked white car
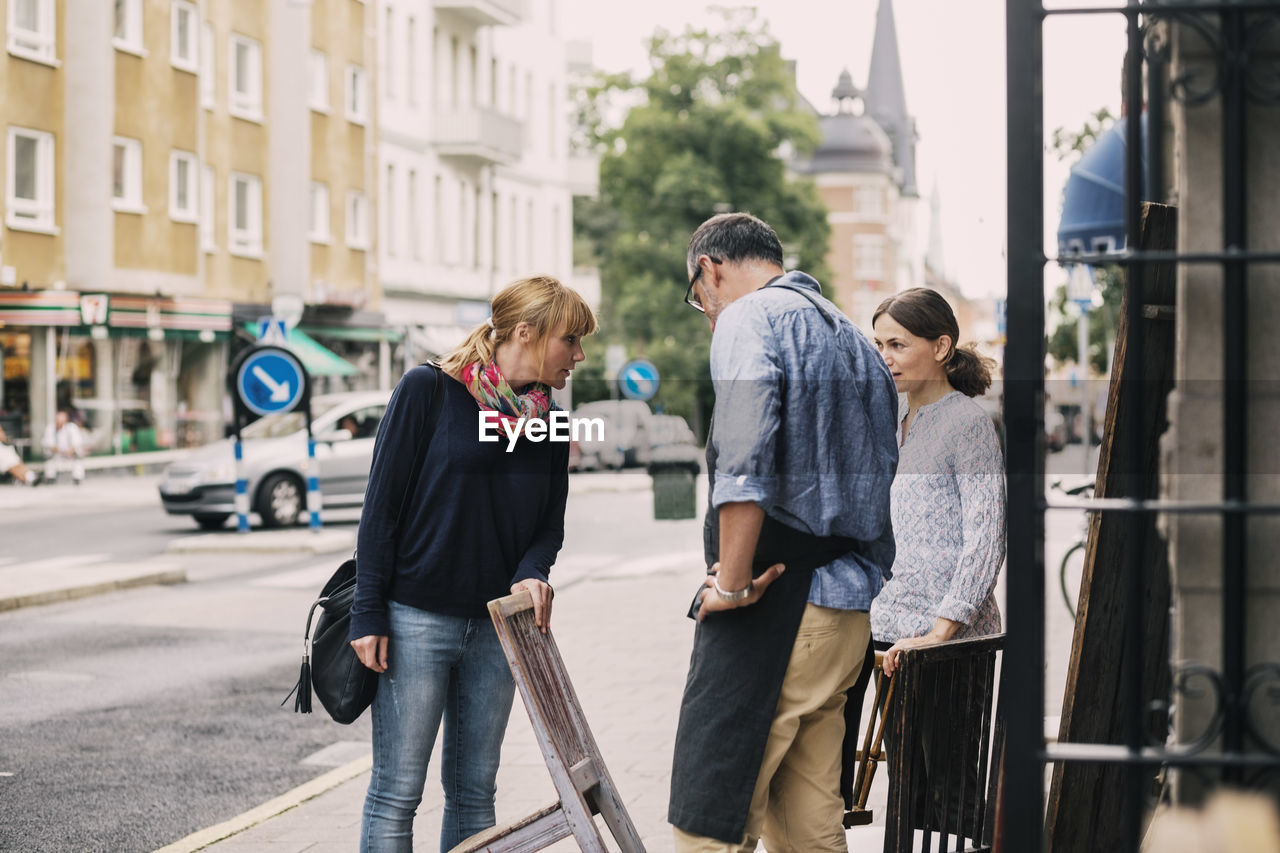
x=202 y=485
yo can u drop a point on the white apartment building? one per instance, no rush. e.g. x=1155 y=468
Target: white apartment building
x=472 y=160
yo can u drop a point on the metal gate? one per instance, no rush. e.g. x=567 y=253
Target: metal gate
x=1232 y=752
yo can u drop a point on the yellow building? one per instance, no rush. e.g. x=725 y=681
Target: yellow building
x=163 y=164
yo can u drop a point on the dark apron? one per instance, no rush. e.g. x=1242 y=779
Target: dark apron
x=735 y=676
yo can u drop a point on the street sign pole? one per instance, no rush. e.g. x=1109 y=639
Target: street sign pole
x=269 y=380
x=313 y=478
x=242 y=485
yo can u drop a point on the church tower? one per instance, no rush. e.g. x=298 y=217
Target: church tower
x=865 y=171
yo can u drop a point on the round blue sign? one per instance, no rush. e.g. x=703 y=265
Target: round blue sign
x=638 y=380
x=270 y=380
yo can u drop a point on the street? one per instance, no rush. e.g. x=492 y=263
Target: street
x=134 y=718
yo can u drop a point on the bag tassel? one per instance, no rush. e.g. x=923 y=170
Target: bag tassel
x=302 y=704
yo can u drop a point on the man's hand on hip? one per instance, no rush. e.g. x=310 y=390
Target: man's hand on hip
x=713 y=601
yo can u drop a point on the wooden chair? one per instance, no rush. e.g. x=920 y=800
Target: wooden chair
x=872 y=751
x=941 y=721
x=577 y=770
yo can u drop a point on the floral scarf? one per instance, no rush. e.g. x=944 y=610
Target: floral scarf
x=493 y=394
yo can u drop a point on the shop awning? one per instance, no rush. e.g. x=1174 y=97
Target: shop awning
x=318 y=360
x=354 y=333
x=1093 y=215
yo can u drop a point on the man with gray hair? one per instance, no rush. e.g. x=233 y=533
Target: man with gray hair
x=798 y=541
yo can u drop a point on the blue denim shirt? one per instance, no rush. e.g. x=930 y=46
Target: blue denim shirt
x=805 y=421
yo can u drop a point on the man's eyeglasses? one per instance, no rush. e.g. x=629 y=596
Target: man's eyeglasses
x=690 y=298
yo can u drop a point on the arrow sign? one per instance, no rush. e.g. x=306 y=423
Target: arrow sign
x=279 y=390
x=269 y=380
x=638 y=380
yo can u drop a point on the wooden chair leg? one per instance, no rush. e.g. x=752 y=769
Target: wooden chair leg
x=876 y=751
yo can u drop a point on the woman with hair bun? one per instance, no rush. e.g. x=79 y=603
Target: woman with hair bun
x=480 y=520
x=948 y=497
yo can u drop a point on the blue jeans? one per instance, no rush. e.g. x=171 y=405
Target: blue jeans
x=437 y=667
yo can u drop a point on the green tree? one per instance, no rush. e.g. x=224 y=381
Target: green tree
x=704 y=132
x=1062 y=343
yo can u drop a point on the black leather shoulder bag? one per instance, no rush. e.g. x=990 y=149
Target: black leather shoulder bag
x=330 y=667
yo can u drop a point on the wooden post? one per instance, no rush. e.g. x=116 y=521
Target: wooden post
x=1086 y=802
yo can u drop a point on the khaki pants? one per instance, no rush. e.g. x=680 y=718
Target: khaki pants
x=796 y=804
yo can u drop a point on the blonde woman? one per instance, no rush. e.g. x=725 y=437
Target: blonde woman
x=478 y=523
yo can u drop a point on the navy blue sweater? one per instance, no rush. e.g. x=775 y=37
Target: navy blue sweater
x=478 y=519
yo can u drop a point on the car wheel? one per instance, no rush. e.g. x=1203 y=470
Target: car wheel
x=211 y=521
x=280 y=501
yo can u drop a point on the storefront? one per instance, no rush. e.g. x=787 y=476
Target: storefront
x=138 y=373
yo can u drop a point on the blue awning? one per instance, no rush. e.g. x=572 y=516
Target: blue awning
x=1093 y=199
x=318 y=360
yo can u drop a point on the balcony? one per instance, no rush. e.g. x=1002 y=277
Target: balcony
x=478 y=136
x=484 y=13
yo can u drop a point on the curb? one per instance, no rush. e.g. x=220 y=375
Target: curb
x=265 y=542
x=281 y=804
x=173 y=576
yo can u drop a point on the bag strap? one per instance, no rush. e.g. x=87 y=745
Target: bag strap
x=420 y=455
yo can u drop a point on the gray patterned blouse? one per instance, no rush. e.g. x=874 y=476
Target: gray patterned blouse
x=948 y=505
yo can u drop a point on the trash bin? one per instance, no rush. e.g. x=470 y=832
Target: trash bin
x=674 y=483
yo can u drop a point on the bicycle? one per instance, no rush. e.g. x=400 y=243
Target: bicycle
x=1071 y=570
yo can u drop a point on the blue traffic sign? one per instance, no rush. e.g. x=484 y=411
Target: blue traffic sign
x=638 y=380
x=270 y=380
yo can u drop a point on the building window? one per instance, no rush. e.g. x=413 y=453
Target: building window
x=32 y=32
x=437 y=220
x=870 y=202
x=245 y=80
x=415 y=242
x=463 y=256
x=411 y=62
x=389 y=55
x=477 y=238
x=553 y=126
x=208 y=240
x=454 y=73
x=207 y=70
x=390 y=218
x=128 y=32
x=513 y=234
x=319 y=212
x=528 y=234
x=357 y=95
x=183 y=48
x=868 y=257
x=29 y=184
x=244 y=231
x=357 y=220
x=126 y=175
x=183 y=168
x=319 y=95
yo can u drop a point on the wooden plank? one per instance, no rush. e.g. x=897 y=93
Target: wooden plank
x=1086 y=802
x=534 y=832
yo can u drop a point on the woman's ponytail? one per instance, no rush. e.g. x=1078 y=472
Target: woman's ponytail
x=968 y=371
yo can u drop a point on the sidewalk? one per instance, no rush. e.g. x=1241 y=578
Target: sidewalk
x=114 y=489
x=625 y=641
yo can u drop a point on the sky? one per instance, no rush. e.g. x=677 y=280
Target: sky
x=953 y=68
